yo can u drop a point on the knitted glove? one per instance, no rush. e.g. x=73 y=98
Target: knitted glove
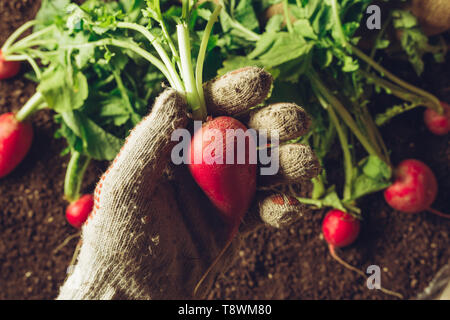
x=153 y=232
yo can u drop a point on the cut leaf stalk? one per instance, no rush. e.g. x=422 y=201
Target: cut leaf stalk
x=74 y=175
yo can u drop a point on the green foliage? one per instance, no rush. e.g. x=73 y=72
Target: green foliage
x=98 y=79
x=414 y=42
x=372 y=175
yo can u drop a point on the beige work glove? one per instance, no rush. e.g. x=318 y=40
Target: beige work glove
x=153 y=232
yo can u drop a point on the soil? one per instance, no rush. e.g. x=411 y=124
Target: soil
x=273 y=264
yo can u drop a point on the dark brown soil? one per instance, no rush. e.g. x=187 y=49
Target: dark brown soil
x=285 y=264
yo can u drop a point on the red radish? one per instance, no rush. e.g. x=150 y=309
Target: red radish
x=230 y=187
x=15 y=141
x=438 y=123
x=8 y=69
x=78 y=212
x=414 y=189
x=341 y=229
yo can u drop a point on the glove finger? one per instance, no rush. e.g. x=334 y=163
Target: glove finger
x=237 y=91
x=289 y=120
x=297 y=163
x=277 y=210
x=146 y=151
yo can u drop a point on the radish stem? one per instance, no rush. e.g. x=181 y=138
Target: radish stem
x=173 y=75
x=342 y=111
x=27 y=41
x=435 y=104
x=202 y=53
x=16 y=34
x=74 y=175
x=30 y=107
x=287 y=17
x=192 y=96
x=344 y=146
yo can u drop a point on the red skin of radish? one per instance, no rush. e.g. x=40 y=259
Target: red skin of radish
x=8 y=69
x=438 y=124
x=339 y=228
x=414 y=189
x=15 y=142
x=230 y=187
x=78 y=212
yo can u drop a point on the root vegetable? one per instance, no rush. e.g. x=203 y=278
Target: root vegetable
x=78 y=211
x=15 y=141
x=8 y=69
x=437 y=123
x=414 y=189
x=230 y=187
x=341 y=229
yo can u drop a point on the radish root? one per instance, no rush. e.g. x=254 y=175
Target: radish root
x=439 y=213
x=216 y=260
x=352 y=268
x=66 y=241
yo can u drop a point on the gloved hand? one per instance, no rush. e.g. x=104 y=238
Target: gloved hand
x=153 y=232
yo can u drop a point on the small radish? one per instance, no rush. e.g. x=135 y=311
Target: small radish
x=15 y=142
x=341 y=229
x=414 y=189
x=78 y=211
x=8 y=69
x=438 y=124
x=230 y=187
